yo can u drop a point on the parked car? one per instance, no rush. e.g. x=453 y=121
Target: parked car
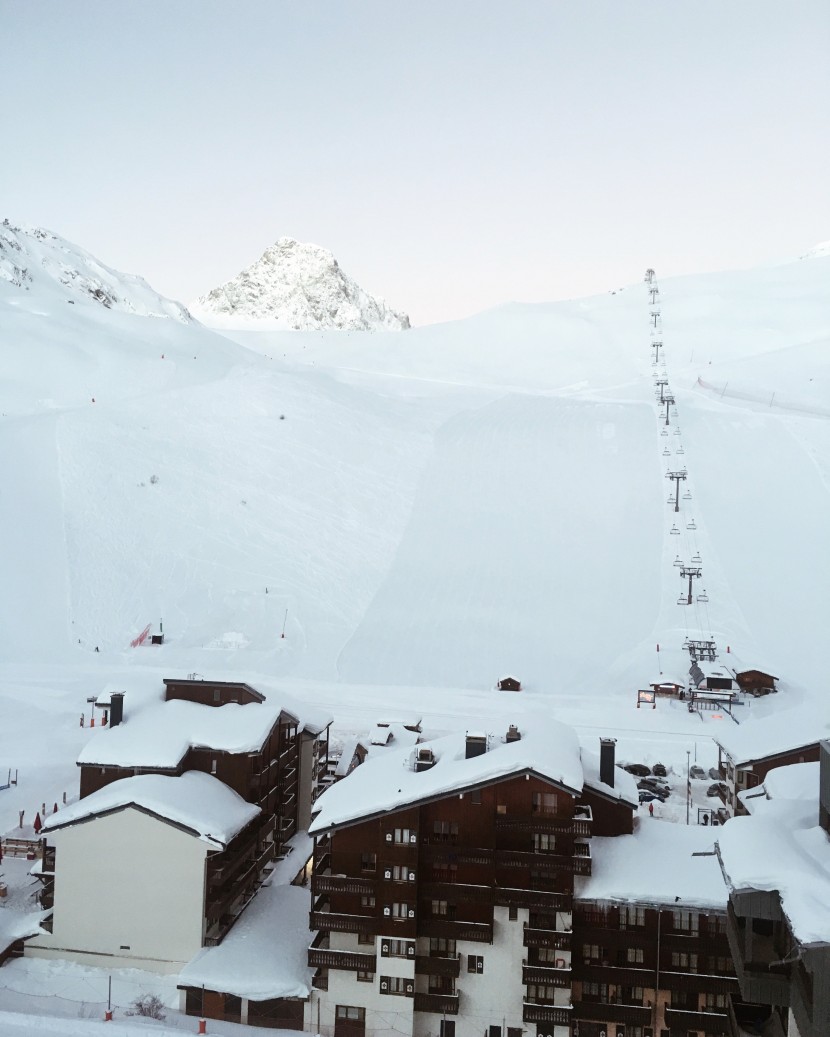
x=659 y=769
x=639 y=769
x=714 y=774
x=648 y=797
x=662 y=792
x=697 y=772
x=715 y=790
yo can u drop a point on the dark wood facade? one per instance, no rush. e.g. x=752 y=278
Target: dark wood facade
x=756 y=682
x=653 y=967
x=747 y=774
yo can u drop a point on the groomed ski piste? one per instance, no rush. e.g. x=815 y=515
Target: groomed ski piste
x=420 y=513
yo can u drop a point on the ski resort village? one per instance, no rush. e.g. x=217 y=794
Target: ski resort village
x=365 y=680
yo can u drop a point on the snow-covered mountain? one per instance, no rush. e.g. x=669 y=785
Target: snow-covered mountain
x=298 y=286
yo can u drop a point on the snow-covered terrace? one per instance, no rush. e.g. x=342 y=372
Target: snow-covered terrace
x=160 y=734
x=656 y=865
x=194 y=800
x=781 y=850
x=388 y=780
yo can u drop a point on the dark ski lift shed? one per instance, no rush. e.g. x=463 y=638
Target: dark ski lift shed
x=510 y=684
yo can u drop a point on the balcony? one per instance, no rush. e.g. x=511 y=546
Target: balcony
x=580 y=824
x=578 y=862
x=341 y=923
x=340 y=884
x=457 y=891
x=601 y=1011
x=477 y=932
x=448 y=852
x=352 y=961
x=559 y=1015
x=553 y=977
x=624 y=975
x=560 y=941
x=320 y=981
x=428 y=966
x=440 y=1004
x=538 y=899
x=697 y=982
x=709 y=1022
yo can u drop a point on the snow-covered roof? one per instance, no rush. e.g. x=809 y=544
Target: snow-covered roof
x=624 y=787
x=784 y=850
x=265 y=953
x=779 y=732
x=656 y=865
x=388 y=781
x=195 y=800
x=160 y=734
x=786 y=790
x=18 y=925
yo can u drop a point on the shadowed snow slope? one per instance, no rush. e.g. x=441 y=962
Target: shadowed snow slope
x=429 y=509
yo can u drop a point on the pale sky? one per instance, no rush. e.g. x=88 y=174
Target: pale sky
x=453 y=155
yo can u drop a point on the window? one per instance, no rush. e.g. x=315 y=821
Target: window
x=350 y=1013
x=445 y=831
x=395 y=985
x=594 y=991
x=632 y=916
x=400 y=873
x=544 y=803
x=512 y=914
x=365 y=977
x=475 y=963
x=541 y=993
x=438 y=908
x=501 y=808
x=716 y=1002
x=685 y=921
x=475 y=797
x=634 y=956
x=404 y=835
x=367 y=901
x=514 y=1031
x=443 y=871
x=592 y=954
x=447 y=1028
x=395 y=948
x=543 y=842
x=401 y=910
x=366 y=939
x=632 y=995
x=441 y=947
x=213 y=765
x=494 y=1031
x=368 y=861
x=683 y=960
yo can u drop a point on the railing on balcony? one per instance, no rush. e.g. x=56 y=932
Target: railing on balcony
x=603 y=1011
x=456 y=854
x=559 y=1015
x=458 y=891
x=560 y=941
x=533 y=898
x=340 y=884
x=320 y=980
x=708 y=1022
x=322 y=863
x=578 y=862
x=441 y=1004
x=553 y=977
x=580 y=824
x=353 y=961
x=344 y=923
x=429 y=966
x=477 y=932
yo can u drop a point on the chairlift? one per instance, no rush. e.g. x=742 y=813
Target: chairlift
x=691 y=524
x=664 y=432
x=677 y=431
x=682 y=600
x=696 y=559
x=678 y=562
x=687 y=495
x=680 y=450
x=703 y=597
x=674 y=531
x=666 y=452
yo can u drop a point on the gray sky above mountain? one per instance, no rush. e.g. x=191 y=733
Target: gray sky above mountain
x=452 y=156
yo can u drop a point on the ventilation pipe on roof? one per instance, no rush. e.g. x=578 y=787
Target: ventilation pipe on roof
x=607 y=753
x=116 y=708
x=513 y=734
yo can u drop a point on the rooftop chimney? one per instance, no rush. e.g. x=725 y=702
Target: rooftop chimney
x=606 y=760
x=116 y=708
x=424 y=759
x=513 y=734
x=476 y=745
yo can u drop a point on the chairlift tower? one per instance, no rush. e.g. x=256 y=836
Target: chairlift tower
x=690 y=573
x=649 y=276
x=653 y=292
x=669 y=402
x=657 y=346
x=678 y=477
x=655 y=317
x=662 y=382
x=702 y=650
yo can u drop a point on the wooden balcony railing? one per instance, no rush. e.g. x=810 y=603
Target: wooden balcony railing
x=344 y=923
x=553 y=977
x=560 y=941
x=429 y=966
x=559 y=1015
x=441 y=1004
x=477 y=932
x=328 y=883
x=352 y=961
x=533 y=898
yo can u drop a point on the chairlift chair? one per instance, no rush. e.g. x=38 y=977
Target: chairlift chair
x=666 y=452
x=677 y=431
x=687 y=495
x=663 y=432
x=678 y=562
x=691 y=525
x=680 y=450
x=682 y=600
x=675 y=532
x=696 y=559
x=703 y=597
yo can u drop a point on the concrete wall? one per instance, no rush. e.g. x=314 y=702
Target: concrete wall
x=129 y=892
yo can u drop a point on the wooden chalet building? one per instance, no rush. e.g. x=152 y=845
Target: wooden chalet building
x=746 y=754
x=251 y=749
x=443 y=885
x=776 y=864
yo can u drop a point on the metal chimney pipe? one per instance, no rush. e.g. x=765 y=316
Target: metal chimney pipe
x=116 y=708
x=607 y=753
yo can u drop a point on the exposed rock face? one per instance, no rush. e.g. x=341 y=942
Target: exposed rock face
x=298 y=286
